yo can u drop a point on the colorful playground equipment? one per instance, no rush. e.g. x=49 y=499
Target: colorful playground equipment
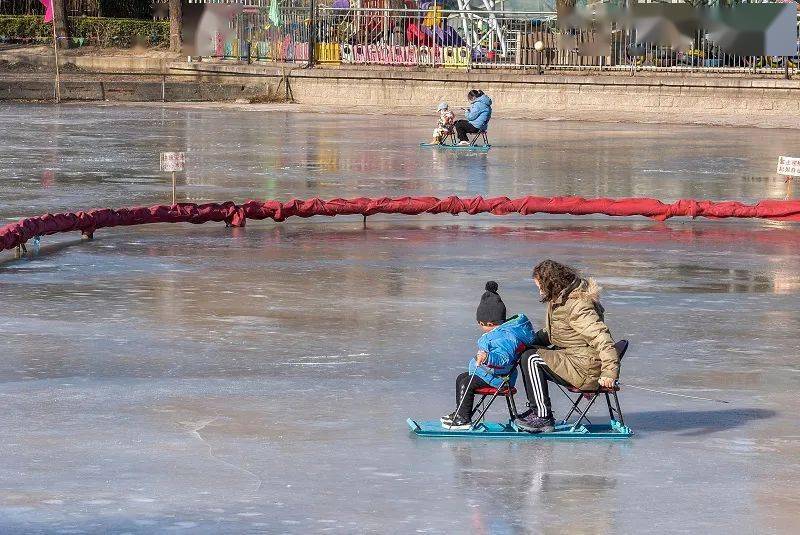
x=448 y=33
x=455 y=34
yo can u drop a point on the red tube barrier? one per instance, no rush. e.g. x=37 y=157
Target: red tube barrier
x=236 y=215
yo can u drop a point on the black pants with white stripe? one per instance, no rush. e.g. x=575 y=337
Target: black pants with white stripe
x=535 y=374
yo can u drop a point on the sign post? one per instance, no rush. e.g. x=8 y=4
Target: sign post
x=58 y=76
x=49 y=16
x=171 y=162
x=788 y=168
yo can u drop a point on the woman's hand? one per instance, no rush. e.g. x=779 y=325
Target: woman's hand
x=481 y=357
x=606 y=382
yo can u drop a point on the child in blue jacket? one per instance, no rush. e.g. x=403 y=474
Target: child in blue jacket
x=499 y=349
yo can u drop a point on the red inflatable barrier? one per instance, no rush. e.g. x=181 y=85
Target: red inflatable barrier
x=236 y=215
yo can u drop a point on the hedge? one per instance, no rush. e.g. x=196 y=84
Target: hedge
x=99 y=31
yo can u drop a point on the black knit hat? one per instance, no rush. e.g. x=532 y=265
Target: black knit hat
x=492 y=309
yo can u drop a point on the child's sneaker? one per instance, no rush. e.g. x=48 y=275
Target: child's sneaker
x=447 y=419
x=458 y=423
x=536 y=424
x=463 y=143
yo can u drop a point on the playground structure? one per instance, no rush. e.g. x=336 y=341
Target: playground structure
x=460 y=34
x=375 y=32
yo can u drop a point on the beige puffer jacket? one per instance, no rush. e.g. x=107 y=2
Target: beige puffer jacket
x=583 y=347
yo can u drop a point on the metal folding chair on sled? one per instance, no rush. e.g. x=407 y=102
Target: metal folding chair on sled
x=614 y=411
x=473 y=141
x=506 y=391
x=480 y=135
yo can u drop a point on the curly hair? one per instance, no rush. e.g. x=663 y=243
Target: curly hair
x=553 y=278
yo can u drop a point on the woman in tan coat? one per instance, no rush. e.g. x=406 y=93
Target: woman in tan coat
x=575 y=348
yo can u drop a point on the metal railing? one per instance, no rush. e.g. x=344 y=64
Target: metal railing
x=466 y=39
x=255 y=37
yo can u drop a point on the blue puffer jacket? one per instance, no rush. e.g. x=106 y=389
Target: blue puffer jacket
x=504 y=345
x=480 y=112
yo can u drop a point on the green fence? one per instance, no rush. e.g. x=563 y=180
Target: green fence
x=129 y=9
x=98 y=31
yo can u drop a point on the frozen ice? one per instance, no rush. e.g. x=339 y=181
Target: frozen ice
x=202 y=379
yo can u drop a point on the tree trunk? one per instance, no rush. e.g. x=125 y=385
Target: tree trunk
x=175 y=25
x=60 y=22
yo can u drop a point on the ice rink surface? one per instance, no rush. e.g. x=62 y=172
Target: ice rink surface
x=173 y=378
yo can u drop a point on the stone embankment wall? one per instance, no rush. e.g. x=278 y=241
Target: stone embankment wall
x=129 y=90
x=671 y=98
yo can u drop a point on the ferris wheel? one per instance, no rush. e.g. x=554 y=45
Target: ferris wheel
x=479 y=25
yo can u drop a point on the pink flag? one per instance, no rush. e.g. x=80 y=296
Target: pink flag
x=48 y=10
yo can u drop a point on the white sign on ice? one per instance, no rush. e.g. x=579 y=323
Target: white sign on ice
x=172 y=161
x=788 y=166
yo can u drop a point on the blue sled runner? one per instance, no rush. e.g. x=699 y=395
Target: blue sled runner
x=433 y=429
x=468 y=148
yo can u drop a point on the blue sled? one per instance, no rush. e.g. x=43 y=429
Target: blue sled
x=433 y=429
x=469 y=148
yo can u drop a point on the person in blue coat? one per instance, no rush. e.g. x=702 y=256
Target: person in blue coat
x=477 y=116
x=499 y=349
